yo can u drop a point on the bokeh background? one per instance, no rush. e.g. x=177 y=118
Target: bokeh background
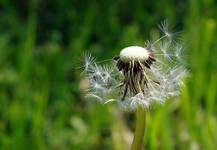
x=41 y=103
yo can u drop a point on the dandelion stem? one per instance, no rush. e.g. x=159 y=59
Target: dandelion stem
x=140 y=129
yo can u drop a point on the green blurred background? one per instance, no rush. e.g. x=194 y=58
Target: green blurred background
x=41 y=42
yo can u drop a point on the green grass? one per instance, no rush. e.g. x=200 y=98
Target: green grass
x=41 y=106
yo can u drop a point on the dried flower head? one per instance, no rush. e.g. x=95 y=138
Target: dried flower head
x=138 y=76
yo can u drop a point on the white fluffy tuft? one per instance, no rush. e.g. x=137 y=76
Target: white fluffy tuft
x=164 y=77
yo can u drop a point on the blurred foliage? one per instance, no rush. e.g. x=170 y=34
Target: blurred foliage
x=41 y=106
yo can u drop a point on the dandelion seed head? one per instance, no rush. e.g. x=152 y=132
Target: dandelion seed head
x=138 y=76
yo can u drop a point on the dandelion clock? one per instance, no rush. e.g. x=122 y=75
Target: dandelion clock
x=138 y=77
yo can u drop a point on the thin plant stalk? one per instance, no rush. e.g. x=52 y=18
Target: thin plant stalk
x=139 y=129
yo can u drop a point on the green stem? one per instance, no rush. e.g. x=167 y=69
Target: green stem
x=140 y=129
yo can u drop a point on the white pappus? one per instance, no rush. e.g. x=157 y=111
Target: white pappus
x=139 y=76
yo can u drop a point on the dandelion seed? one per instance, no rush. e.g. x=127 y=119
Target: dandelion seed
x=171 y=36
x=148 y=45
x=178 y=51
x=164 y=27
x=139 y=76
x=88 y=62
